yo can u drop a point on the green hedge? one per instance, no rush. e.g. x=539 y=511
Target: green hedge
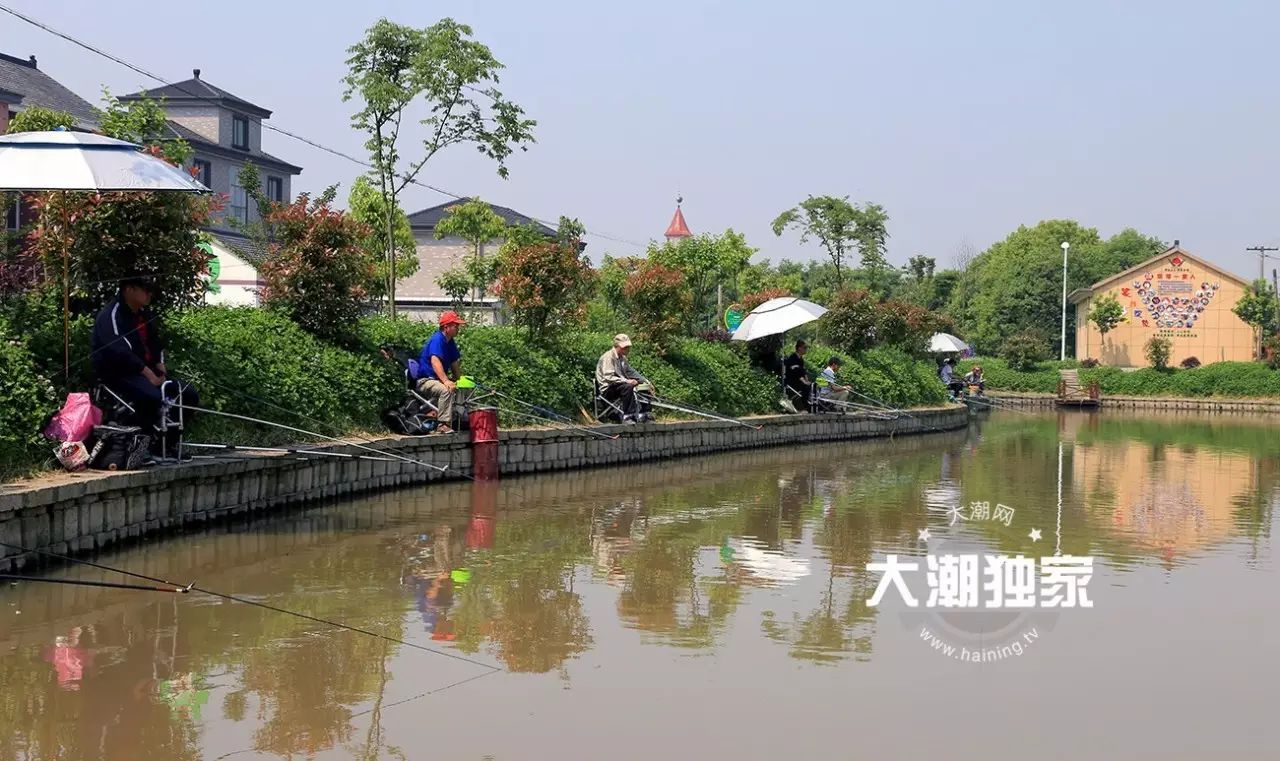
x=1237 y=380
x=26 y=398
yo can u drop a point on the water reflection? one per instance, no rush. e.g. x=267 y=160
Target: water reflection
x=760 y=550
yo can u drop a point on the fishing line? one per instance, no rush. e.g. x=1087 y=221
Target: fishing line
x=896 y=410
x=544 y=414
x=84 y=583
x=657 y=401
x=266 y=606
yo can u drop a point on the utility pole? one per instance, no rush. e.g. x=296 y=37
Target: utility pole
x=1263 y=252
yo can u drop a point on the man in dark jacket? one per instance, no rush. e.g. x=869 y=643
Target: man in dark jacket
x=128 y=354
x=796 y=378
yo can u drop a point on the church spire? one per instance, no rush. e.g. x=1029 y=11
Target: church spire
x=678 y=229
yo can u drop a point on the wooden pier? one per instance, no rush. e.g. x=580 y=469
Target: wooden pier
x=1071 y=393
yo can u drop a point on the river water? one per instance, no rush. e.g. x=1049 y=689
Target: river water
x=713 y=607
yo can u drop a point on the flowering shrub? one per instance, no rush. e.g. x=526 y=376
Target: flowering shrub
x=752 y=300
x=546 y=286
x=317 y=271
x=850 y=324
x=657 y=302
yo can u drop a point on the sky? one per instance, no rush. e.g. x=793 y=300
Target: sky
x=964 y=120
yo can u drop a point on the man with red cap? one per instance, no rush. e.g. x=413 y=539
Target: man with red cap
x=440 y=365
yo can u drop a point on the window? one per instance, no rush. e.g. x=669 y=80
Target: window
x=12 y=211
x=204 y=172
x=275 y=189
x=239 y=200
x=240 y=133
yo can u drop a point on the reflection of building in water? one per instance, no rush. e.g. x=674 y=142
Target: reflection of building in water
x=1164 y=498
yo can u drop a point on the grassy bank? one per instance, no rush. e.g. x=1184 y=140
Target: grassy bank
x=257 y=363
x=1224 y=380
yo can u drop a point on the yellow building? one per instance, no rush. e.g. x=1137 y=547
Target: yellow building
x=1174 y=295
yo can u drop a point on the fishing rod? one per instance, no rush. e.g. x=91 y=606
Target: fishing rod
x=246 y=601
x=259 y=421
x=655 y=401
x=15 y=578
x=285 y=450
x=896 y=410
x=877 y=413
x=542 y=413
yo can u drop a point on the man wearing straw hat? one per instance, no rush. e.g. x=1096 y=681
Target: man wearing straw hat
x=617 y=382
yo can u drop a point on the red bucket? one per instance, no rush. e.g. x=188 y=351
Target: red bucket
x=483 y=423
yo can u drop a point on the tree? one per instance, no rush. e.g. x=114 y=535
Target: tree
x=1258 y=306
x=369 y=207
x=839 y=226
x=546 y=286
x=454 y=77
x=318 y=271
x=1158 y=350
x=40 y=119
x=477 y=223
x=1024 y=350
x=657 y=301
x=707 y=261
x=850 y=323
x=1106 y=314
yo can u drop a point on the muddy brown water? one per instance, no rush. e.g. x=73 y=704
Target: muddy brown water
x=704 y=608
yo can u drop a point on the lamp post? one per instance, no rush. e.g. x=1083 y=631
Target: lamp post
x=1065 y=247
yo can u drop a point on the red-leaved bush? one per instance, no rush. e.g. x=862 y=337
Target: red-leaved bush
x=546 y=286
x=752 y=300
x=317 y=272
x=657 y=302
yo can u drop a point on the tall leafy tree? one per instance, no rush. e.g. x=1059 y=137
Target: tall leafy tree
x=455 y=78
x=707 y=261
x=1107 y=314
x=840 y=227
x=367 y=205
x=1258 y=307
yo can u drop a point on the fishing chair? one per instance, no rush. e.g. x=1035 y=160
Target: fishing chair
x=172 y=420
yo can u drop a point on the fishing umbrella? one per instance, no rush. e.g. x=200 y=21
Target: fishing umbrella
x=777 y=316
x=61 y=161
x=945 y=343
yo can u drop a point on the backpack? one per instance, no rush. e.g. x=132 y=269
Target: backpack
x=119 y=448
x=409 y=419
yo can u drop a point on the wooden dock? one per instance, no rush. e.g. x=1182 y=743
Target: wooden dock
x=1071 y=393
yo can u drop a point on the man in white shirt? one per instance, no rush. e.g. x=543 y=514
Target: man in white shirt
x=617 y=383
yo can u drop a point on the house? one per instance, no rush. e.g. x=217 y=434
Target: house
x=225 y=132
x=1174 y=295
x=23 y=85
x=418 y=296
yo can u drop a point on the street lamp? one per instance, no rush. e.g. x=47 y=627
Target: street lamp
x=1065 y=246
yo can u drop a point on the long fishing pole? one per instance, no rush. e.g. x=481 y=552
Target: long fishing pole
x=246 y=601
x=878 y=413
x=286 y=450
x=14 y=578
x=657 y=402
x=543 y=413
x=379 y=452
x=896 y=410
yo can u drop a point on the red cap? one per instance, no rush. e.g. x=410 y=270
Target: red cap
x=451 y=318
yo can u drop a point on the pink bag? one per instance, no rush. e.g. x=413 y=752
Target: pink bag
x=76 y=419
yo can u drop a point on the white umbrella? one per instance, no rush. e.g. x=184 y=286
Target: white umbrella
x=945 y=343
x=63 y=161
x=764 y=563
x=777 y=316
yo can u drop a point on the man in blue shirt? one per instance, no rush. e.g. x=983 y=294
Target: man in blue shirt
x=440 y=366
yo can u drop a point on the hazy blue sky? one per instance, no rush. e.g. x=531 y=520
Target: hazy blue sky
x=963 y=119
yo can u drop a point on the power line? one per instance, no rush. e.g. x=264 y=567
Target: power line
x=279 y=130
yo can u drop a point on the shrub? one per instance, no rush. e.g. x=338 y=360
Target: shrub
x=1271 y=349
x=907 y=326
x=1023 y=351
x=256 y=362
x=1157 y=351
x=850 y=323
x=715 y=336
x=1190 y=363
x=318 y=272
x=546 y=286
x=657 y=302
x=1090 y=362
x=26 y=398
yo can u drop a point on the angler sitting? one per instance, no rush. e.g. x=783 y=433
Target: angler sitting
x=828 y=389
x=795 y=378
x=440 y=365
x=128 y=359
x=617 y=383
x=948 y=375
x=974 y=380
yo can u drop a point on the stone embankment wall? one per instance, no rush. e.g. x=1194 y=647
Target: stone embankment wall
x=1164 y=403
x=80 y=512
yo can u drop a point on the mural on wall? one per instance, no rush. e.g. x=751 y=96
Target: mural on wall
x=1171 y=300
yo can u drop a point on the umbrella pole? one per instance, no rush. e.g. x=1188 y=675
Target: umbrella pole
x=66 y=297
